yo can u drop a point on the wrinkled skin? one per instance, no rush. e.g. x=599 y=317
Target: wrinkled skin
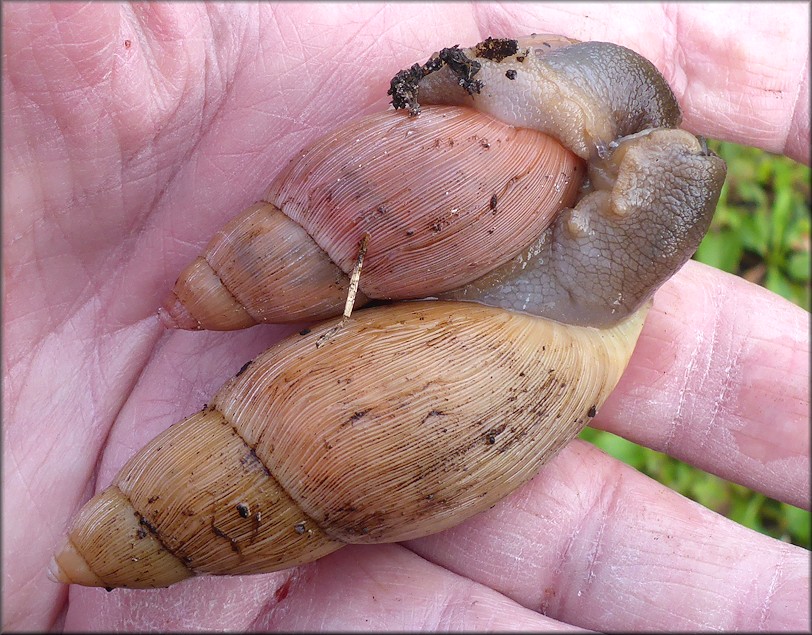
x=119 y=162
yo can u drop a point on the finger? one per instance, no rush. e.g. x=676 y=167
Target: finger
x=740 y=71
x=228 y=604
x=369 y=587
x=720 y=380
x=594 y=543
x=384 y=588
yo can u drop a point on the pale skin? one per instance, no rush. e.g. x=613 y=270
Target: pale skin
x=132 y=132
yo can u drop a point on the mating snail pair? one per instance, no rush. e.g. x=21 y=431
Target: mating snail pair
x=538 y=191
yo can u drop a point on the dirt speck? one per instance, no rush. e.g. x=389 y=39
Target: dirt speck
x=496 y=49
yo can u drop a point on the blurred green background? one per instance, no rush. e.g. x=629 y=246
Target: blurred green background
x=760 y=232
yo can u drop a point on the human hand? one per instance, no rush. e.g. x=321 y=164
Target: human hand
x=121 y=160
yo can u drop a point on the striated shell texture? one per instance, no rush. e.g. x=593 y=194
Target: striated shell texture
x=308 y=449
x=445 y=197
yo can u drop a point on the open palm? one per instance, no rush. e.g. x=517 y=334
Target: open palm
x=131 y=132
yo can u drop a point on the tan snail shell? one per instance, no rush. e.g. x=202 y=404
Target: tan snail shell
x=362 y=451
x=414 y=416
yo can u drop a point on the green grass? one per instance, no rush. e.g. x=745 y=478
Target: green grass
x=761 y=231
x=761 y=227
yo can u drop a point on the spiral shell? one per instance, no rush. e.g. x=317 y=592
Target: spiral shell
x=445 y=197
x=308 y=449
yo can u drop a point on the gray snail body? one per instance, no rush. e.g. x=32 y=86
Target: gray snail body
x=413 y=416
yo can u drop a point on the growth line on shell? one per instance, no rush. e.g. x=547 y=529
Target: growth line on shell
x=352 y=291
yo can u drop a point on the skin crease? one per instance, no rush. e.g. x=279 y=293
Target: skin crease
x=122 y=159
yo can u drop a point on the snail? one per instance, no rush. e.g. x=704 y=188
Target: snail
x=527 y=197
